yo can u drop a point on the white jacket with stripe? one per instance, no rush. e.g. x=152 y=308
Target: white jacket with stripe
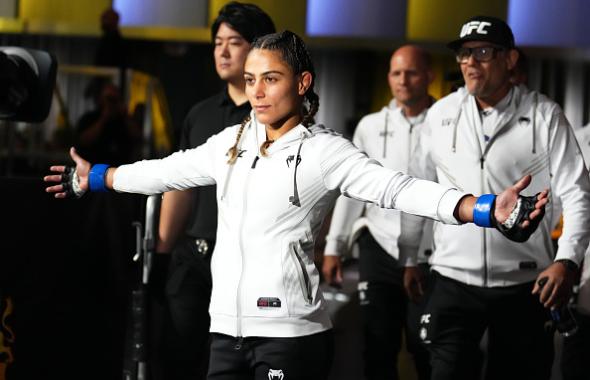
x=265 y=282
x=532 y=137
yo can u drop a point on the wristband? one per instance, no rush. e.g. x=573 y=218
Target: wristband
x=484 y=206
x=96 y=178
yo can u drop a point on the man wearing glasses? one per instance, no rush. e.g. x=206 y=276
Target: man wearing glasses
x=480 y=138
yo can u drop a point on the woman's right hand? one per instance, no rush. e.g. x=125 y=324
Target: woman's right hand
x=81 y=172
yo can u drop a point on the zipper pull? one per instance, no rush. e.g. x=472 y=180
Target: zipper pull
x=481 y=160
x=238 y=345
x=254 y=162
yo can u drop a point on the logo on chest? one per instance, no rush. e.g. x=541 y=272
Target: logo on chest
x=447 y=121
x=291 y=158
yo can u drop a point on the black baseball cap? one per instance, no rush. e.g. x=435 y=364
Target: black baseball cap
x=484 y=28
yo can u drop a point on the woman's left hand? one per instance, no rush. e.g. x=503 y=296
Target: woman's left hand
x=57 y=176
x=506 y=201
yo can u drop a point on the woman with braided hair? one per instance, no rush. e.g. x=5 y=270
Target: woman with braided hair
x=280 y=177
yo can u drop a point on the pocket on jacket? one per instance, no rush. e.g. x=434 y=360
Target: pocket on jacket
x=300 y=284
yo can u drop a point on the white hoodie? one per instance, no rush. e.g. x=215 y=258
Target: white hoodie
x=390 y=138
x=531 y=136
x=265 y=282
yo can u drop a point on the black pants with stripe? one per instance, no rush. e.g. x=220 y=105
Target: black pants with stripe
x=456 y=317
x=260 y=358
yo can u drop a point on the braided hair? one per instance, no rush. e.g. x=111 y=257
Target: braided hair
x=295 y=54
x=232 y=153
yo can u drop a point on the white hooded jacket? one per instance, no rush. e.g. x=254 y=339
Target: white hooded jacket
x=265 y=282
x=531 y=136
x=390 y=138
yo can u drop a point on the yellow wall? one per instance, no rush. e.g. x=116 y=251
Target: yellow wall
x=430 y=20
x=62 y=16
x=442 y=64
x=441 y=20
x=81 y=17
x=11 y=25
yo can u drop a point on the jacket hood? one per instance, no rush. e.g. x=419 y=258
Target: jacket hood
x=294 y=136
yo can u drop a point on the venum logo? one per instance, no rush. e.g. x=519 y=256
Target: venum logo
x=447 y=121
x=291 y=158
x=474 y=26
x=275 y=374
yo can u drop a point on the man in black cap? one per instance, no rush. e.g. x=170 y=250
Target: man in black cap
x=480 y=138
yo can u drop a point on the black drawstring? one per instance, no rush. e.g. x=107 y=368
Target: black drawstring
x=294 y=199
x=534 y=119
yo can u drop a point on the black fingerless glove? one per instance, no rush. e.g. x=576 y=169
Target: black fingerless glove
x=71 y=183
x=511 y=228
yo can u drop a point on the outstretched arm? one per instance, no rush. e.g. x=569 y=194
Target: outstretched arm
x=179 y=171
x=345 y=168
x=75 y=181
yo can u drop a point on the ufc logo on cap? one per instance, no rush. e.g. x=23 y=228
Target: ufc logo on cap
x=478 y=26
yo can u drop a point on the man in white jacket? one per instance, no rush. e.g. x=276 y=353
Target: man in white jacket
x=478 y=139
x=388 y=136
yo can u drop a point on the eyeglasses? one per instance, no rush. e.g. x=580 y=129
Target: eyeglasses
x=480 y=54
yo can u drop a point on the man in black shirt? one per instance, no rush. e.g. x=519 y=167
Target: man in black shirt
x=188 y=219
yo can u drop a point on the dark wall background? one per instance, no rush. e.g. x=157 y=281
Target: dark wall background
x=67 y=265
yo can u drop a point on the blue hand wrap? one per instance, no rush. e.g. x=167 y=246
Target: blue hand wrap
x=482 y=210
x=96 y=178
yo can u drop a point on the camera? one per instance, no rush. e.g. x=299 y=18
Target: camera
x=27 y=79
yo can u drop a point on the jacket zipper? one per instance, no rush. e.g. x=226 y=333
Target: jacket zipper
x=303 y=276
x=241 y=244
x=483 y=230
x=411 y=149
